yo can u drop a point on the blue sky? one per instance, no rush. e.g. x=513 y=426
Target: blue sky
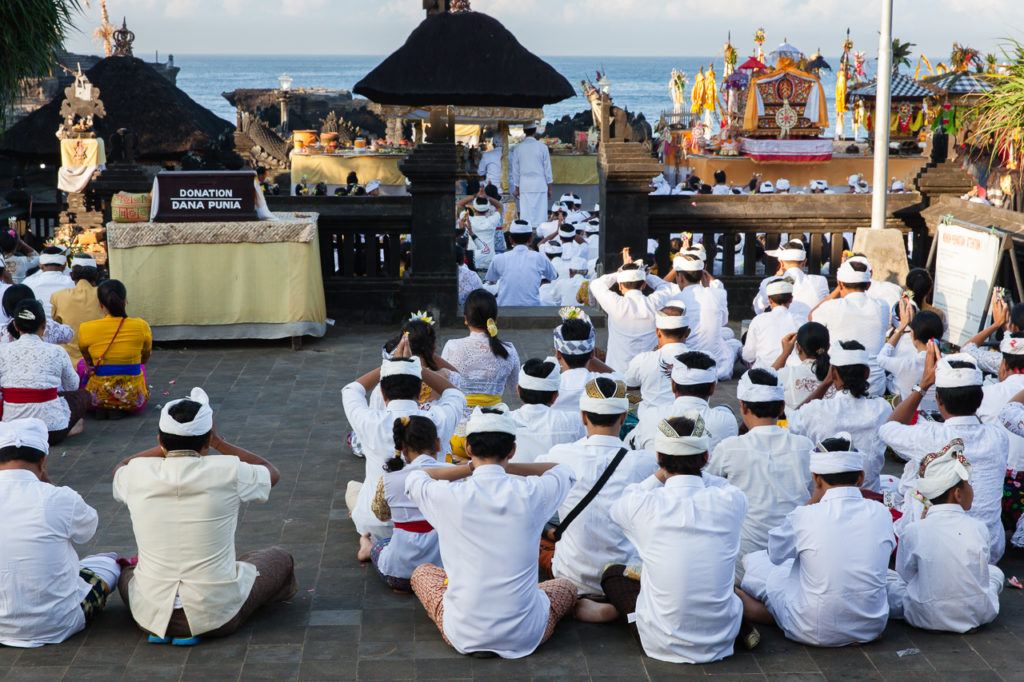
x=553 y=27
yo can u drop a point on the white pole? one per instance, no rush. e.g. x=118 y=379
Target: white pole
x=882 y=104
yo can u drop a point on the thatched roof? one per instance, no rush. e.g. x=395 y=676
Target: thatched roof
x=167 y=123
x=464 y=58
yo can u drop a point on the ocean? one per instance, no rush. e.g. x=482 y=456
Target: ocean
x=639 y=84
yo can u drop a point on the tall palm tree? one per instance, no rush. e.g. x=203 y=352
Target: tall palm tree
x=33 y=31
x=900 y=54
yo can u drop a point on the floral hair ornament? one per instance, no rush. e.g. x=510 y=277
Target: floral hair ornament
x=492 y=327
x=573 y=313
x=422 y=316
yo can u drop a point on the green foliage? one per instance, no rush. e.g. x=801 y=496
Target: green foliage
x=32 y=32
x=900 y=54
x=998 y=118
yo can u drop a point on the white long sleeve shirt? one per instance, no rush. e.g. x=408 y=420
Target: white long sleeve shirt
x=519 y=273
x=652 y=372
x=686 y=533
x=764 y=335
x=590 y=542
x=490 y=555
x=720 y=421
x=532 y=170
x=571 y=384
x=996 y=397
x=30 y=362
x=630 y=319
x=858 y=317
x=540 y=428
x=799 y=381
x=908 y=370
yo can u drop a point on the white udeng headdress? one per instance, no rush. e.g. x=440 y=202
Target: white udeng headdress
x=398 y=366
x=847 y=275
x=668 y=442
x=200 y=425
x=491 y=422
x=840 y=357
x=940 y=471
x=947 y=376
x=549 y=383
x=633 y=275
x=691 y=376
x=664 y=321
x=28 y=432
x=687 y=263
x=749 y=392
x=595 y=401
x=825 y=462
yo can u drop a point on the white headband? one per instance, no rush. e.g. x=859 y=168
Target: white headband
x=200 y=425
x=749 y=392
x=52 y=259
x=949 y=377
x=663 y=321
x=83 y=260
x=778 y=287
x=942 y=470
x=637 y=275
x=520 y=227
x=689 y=376
x=840 y=357
x=594 y=401
x=489 y=422
x=1012 y=345
x=551 y=247
x=549 y=383
x=847 y=275
x=791 y=255
x=398 y=366
x=824 y=462
x=687 y=264
x=578 y=264
x=668 y=442
x=29 y=432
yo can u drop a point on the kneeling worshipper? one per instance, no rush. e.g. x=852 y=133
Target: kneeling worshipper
x=685 y=525
x=539 y=426
x=13 y=295
x=489 y=515
x=47 y=593
x=823 y=577
x=694 y=379
x=414 y=541
x=766 y=330
x=958 y=393
x=651 y=372
x=51 y=276
x=630 y=315
x=768 y=462
x=810 y=346
x=520 y=272
x=184 y=505
x=38 y=379
x=72 y=307
x=810 y=290
x=568 y=290
x=943 y=580
x=401 y=381
x=585 y=540
x=575 y=342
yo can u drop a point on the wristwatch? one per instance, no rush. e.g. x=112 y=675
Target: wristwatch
x=917 y=387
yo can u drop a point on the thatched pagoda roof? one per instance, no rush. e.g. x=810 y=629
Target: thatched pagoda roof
x=166 y=122
x=464 y=58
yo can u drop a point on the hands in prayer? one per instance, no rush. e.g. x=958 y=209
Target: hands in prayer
x=931 y=358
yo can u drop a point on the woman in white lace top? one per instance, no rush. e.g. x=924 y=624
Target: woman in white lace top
x=13 y=295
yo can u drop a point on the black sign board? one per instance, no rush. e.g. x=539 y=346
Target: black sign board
x=205 y=196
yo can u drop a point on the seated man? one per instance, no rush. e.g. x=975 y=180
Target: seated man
x=187 y=582
x=486 y=599
x=79 y=304
x=685 y=526
x=540 y=427
x=944 y=581
x=50 y=277
x=828 y=584
x=590 y=542
x=767 y=329
x=520 y=272
x=46 y=593
x=571 y=288
x=651 y=372
x=574 y=342
x=810 y=290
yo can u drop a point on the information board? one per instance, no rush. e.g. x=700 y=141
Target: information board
x=207 y=196
x=966 y=260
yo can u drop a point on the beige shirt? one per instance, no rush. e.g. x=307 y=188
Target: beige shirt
x=73 y=307
x=184 y=512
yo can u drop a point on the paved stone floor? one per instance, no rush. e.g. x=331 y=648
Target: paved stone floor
x=344 y=624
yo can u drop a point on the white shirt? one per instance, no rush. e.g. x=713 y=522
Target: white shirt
x=544 y=229
x=706 y=306
x=719 y=420
x=19 y=265
x=988 y=360
x=907 y=370
x=490 y=555
x=45 y=282
x=800 y=381
x=563 y=291
x=857 y=317
x=532 y=170
x=55 y=332
x=519 y=273
x=40 y=591
x=886 y=292
x=831 y=590
x=764 y=335
x=652 y=372
x=630 y=319
x=540 y=428
x=996 y=396
x=807 y=289
x=687 y=536
x=860 y=417
x=198 y=498
x=772 y=468
x=985 y=447
x=943 y=559
x=484 y=227
x=30 y=362
x=375 y=429
x=490 y=166
x=591 y=542
x=407 y=550
x=571 y=384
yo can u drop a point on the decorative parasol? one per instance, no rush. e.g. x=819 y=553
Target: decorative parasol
x=786 y=50
x=818 y=62
x=738 y=80
x=752 y=64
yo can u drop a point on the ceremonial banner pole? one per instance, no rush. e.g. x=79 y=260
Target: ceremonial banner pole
x=882 y=105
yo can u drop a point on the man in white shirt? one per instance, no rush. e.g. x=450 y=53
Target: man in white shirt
x=592 y=231
x=721 y=187
x=996 y=396
x=685 y=526
x=591 y=542
x=540 y=427
x=856 y=316
x=490 y=163
x=906 y=368
x=555 y=220
x=807 y=289
x=532 y=177
x=694 y=378
x=486 y=598
x=943 y=579
x=630 y=315
x=51 y=276
x=573 y=242
x=520 y=272
x=47 y=594
x=568 y=289
x=768 y=463
x=766 y=330
x=574 y=342
x=184 y=505
x=401 y=379
x=823 y=578
x=651 y=372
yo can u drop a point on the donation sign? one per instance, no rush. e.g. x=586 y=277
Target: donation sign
x=205 y=196
x=965 y=267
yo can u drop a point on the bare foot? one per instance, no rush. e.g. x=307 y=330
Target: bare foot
x=77 y=428
x=590 y=611
x=365 y=545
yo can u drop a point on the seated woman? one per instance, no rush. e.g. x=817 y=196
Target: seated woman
x=116 y=348
x=19 y=257
x=37 y=377
x=15 y=294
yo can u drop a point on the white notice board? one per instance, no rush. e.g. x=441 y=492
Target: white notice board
x=965 y=266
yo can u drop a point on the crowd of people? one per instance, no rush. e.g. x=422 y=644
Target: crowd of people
x=691 y=184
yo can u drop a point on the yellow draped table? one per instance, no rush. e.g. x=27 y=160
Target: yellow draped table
x=234 y=280
x=333 y=169
x=567 y=169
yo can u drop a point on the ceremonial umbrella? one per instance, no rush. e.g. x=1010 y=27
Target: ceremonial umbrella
x=818 y=63
x=786 y=50
x=752 y=64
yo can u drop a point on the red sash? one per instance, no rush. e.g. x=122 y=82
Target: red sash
x=414 y=526
x=29 y=395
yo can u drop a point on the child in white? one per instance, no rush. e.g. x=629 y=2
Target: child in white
x=766 y=331
x=540 y=427
x=810 y=344
x=651 y=372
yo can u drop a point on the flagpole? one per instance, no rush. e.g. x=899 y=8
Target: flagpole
x=882 y=110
